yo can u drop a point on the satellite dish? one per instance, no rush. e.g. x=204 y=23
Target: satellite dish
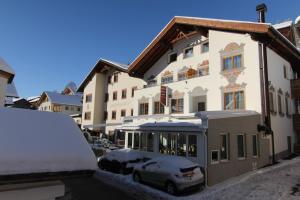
x=297 y=21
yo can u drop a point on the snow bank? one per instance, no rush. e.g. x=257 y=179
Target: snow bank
x=34 y=142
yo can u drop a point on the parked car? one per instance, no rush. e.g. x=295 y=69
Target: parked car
x=172 y=173
x=120 y=161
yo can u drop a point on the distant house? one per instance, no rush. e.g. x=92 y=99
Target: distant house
x=21 y=103
x=6 y=77
x=11 y=94
x=57 y=102
x=35 y=156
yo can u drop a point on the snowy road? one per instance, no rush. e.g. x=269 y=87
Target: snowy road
x=281 y=181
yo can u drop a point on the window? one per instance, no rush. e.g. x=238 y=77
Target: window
x=129 y=140
x=287 y=109
x=159 y=108
x=109 y=79
x=105 y=115
x=285 y=72
x=115 y=78
x=177 y=105
x=72 y=108
x=123 y=113
x=232 y=62
x=78 y=109
x=66 y=107
x=144 y=108
x=254 y=146
x=234 y=100
x=133 y=90
x=188 y=52
x=205 y=47
x=181 y=145
x=124 y=94
x=87 y=115
x=241 y=146
x=214 y=157
x=113 y=115
x=56 y=108
x=88 y=98
x=131 y=112
x=224 y=146
x=279 y=104
x=136 y=141
x=167 y=143
x=192 y=146
x=201 y=106
x=181 y=76
x=167 y=79
x=106 y=97
x=151 y=82
x=147 y=142
x=271 y=101
x=115 y=95
x=172 y=57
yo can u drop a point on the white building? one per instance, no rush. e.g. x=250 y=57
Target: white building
x=108 y=94
x=6 y=77
x=197 y=64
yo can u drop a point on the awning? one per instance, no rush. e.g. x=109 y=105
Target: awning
x=173 y=126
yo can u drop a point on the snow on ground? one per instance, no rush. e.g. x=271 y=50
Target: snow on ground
x=281 y=181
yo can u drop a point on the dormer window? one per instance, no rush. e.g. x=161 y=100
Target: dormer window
x=172 y=57
x=188 y=52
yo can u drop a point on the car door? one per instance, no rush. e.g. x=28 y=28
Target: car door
x=160 y=174
x=147 y=171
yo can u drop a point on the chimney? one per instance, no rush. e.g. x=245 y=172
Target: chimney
x=261 y=9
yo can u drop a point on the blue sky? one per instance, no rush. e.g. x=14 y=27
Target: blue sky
x=49 y=43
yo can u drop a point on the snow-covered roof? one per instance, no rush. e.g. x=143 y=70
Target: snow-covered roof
x=6 y=68
x=283 y=24
x=58 y=98
x=38 y=142
x=33 y=99
x=100 y=64
x=224 y=114
x=11 y=90
x=297 y=20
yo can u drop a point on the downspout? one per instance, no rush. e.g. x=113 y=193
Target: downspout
x=263 y=62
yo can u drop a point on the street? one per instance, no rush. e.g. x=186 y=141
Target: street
x=90 y=189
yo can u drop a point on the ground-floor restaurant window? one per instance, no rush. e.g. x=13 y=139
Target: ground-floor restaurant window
x=136 y=141
x=181 y=145
x=129 y=140
x=147 y=142
x=176 y=144
x=192 y=145
x=241 y=146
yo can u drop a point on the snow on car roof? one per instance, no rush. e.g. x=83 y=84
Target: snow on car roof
x=38 y=142
x=124 y=155
x=175 y=162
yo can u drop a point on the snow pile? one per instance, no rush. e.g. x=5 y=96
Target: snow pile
x=34 y=142
x=124 y=155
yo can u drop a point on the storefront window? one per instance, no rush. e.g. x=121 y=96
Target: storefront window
x=129 y=140
x=181 y=145
x=163 y=143
x=144 y=141
x=172 y=144
x=136 y=144
x=192 y=145
x=150 y=142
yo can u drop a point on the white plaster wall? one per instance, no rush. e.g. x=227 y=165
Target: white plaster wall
x=124 y=82
x=211 y=83
x=3 y=84
x=281 y=125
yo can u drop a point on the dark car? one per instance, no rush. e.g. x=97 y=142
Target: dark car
x=120 y=161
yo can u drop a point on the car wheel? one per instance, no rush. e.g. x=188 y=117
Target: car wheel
x=171 y=188
x=137 y=177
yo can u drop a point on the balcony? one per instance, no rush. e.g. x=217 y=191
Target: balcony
x=295 y=88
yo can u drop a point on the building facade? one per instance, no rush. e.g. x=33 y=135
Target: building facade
x=108 y=94
x=6 y=77
x=216 y=65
